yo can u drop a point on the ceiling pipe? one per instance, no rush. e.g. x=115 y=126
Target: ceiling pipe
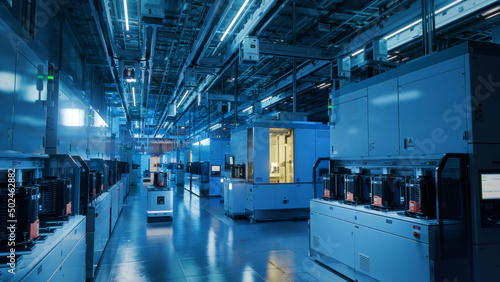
x=109 y=57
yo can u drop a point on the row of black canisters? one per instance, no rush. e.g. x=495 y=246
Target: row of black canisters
x=23 y=207
x=55 y=197
x=415 y=195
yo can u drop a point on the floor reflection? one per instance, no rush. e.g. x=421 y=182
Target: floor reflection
x=201 y=244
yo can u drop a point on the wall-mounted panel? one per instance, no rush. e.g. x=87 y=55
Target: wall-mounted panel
x=349 y=133
x=304 y=159
x=383 y=125
x=432 y=131
x=260 y=155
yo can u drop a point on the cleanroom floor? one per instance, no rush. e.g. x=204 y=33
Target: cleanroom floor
x=202 y=244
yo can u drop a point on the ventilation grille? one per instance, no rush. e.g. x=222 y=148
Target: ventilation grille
x=316 y=241
x=364 y=262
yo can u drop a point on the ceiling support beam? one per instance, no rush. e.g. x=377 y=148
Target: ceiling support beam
x=302 y=52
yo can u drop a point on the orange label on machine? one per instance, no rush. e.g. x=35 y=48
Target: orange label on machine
x=68 y=208
x=350 y=196
x=377 y=201
x=326 y=193
x=102 y=187
x=34 y=230
x=414 y=206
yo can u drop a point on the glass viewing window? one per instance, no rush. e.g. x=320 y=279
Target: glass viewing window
x=281 y=158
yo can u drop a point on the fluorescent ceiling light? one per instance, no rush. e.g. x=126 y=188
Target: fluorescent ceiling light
x=420 y=20
x=233 y=21
x=403 y=29
x=357 y=52
x=491 y=13
x=125 y=8
x=133 y=95
x=215 y=126
x=183 y=97
x=267 y=99
x=248 y=109
x=448 y=6
x=323 y=85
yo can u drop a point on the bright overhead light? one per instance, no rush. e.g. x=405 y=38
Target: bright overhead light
x=391 y=57
x=357 y=52
x=403 y=29
x=248 y=109
x=215 y=126
x=183 y=97
x=323 y=85
x=125 y=8
x=420 y=20
x=267 y=99
x=448 y=6
x=492 y=15
x=234 y=20
x=133 y=95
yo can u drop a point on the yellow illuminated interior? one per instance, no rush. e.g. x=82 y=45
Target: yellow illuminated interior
x=281 y=155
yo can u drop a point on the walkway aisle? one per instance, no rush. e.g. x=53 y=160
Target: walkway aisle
x=201 y=244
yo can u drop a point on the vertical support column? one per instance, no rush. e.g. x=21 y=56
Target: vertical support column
x=194 y=122
x=147 y=144
x=294 y=39
x=236 y=93
x=112 y=146
x=496 y=34
x=209 y=118
x=428 y=26
x=52 y=112
x=222 y=112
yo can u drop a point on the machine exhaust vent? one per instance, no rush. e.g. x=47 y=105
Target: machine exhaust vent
x=364 y=262
x=316 y=241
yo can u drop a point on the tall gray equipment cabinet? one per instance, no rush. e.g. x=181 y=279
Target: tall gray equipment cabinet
x=419 y=146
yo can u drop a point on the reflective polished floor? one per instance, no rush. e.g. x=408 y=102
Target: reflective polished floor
x=202 y=244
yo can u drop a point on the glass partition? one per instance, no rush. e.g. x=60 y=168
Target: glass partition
x=281 y=159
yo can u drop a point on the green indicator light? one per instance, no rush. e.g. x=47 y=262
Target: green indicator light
x=428 y=163
x=330 y=106
x=50 y=77
x=39 y=76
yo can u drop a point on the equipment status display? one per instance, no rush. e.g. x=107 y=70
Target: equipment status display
x=490 y=186
x=215 y=168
